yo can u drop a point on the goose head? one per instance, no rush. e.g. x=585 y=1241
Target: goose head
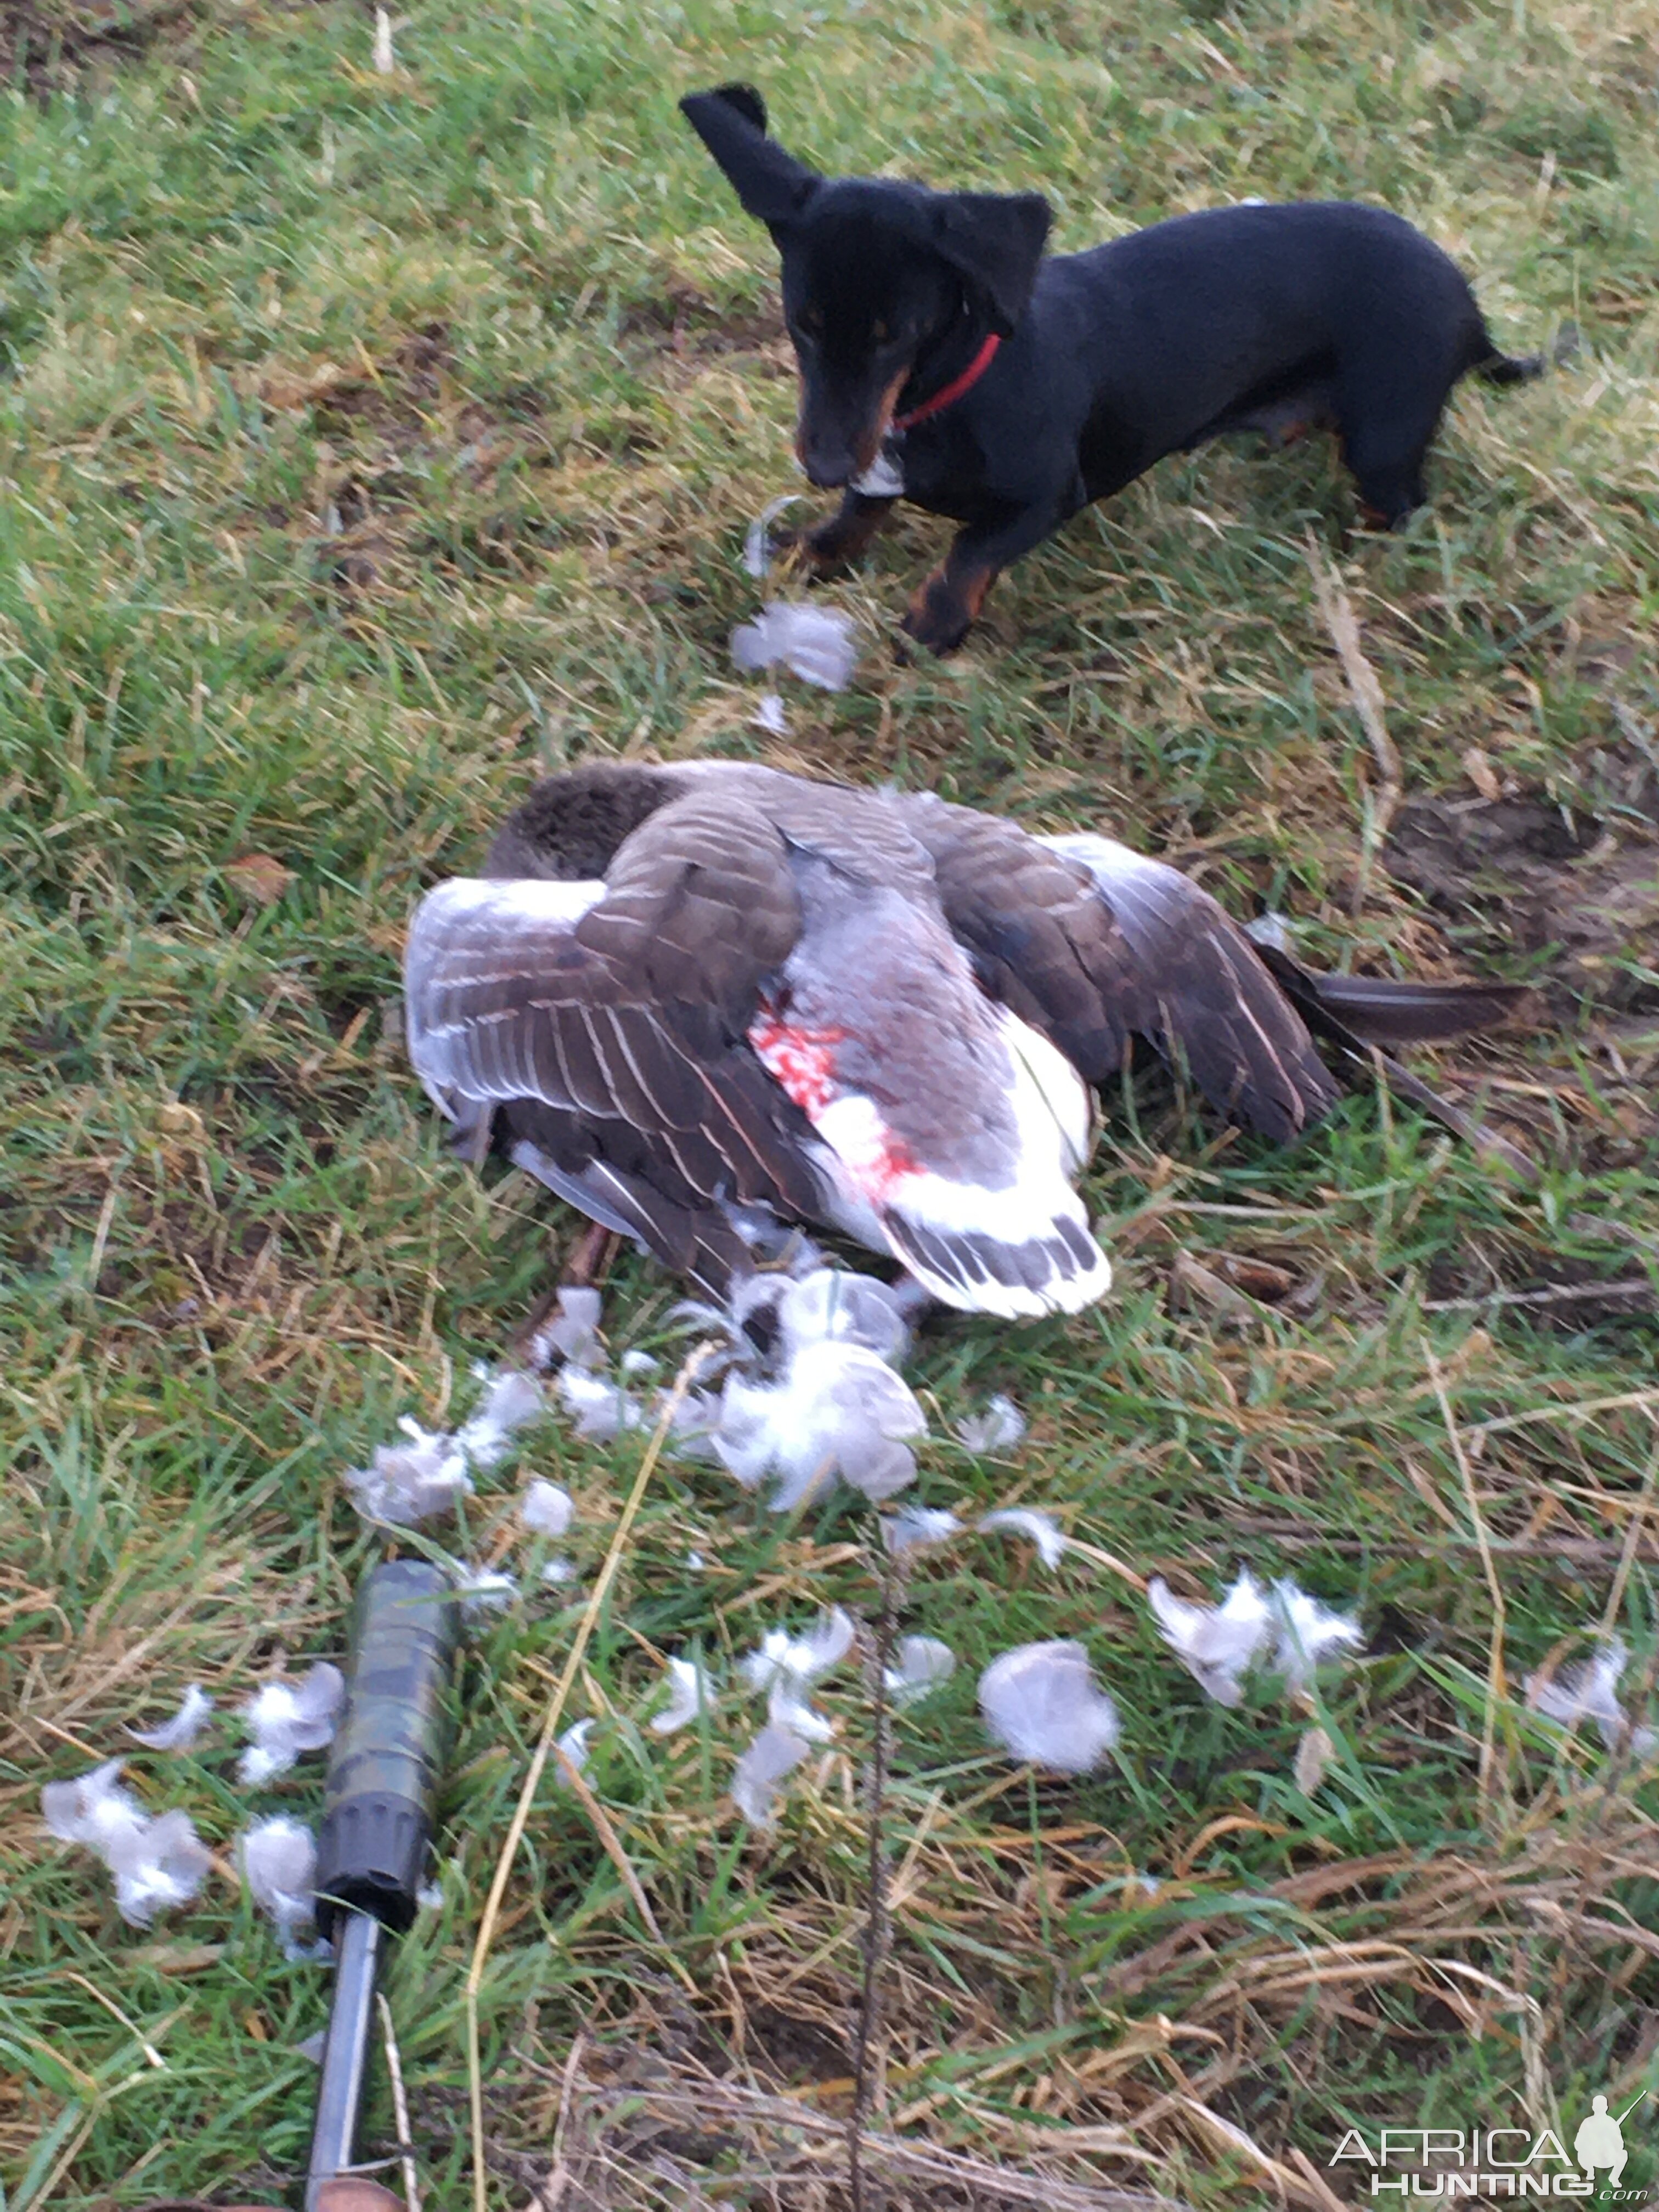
x=571 y=826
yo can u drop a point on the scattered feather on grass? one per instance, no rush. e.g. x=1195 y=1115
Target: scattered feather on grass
x=839 y=1410
x=693 y=1424
x=774 y=1753
x=574 y=1743
x=1217 y=1644
x=278 y=1859
x=998 y=1429
x=757 y=538
x=1588 y=1690
x=1042 y=1528
x=182 y=1730
x=785 y=1668
x=915 y=1528
x=1307 y=1635
x=1314 y=1753
x=287 y=1718
x=161 y=1867
x=924 y=1663
x=600 y=1410
x=546 y=1509
x=835 y=1305
x=159 y=1861
x=511 y=1399
x=689 y=1695
x=1041 y=1704
x=93 y=1809
x=430 y=1472
x=741 y=1434
x=573 y=1330
x=817 y=644
x=406 y=1484
x=1281 y=1627
x=484 y=1590
x=789 y=1708
x=806 y=1658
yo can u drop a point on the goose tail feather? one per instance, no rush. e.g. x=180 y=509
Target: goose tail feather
x=1359 y=1015
x=1381 y=1010
x=1058 y=1269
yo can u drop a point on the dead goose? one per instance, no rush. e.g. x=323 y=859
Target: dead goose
x=678 y=990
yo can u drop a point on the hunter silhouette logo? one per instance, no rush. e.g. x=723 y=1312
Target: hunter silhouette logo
x=1601 y=2141
x=1488 y=2163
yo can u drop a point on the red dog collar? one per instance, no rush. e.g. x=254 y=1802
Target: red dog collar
x=954 y=390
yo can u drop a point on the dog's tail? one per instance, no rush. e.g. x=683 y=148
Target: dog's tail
x=1499 y=367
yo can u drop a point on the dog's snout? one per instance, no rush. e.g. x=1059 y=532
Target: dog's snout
x=829 y=476
x=829 y=462
x=833 y=439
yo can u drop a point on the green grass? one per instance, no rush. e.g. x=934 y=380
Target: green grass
x=496 y=320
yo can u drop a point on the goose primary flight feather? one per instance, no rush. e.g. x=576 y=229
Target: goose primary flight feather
x=676 y=992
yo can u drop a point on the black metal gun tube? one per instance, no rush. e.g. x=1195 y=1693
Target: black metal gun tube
x=377 y=1822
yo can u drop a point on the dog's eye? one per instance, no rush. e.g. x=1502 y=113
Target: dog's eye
x=880 y=333
x=812 y=320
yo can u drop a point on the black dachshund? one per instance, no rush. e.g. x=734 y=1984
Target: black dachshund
x=942 y=359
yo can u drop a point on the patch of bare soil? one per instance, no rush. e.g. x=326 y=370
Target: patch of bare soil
x=683 y=322
x=1577 y=891
x=47 y=45
x=387 y=420
x=1562 y=1295
x=397 y=397
x=1570 y=891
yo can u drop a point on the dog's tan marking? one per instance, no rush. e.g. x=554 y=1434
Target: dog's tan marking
x=866 y=453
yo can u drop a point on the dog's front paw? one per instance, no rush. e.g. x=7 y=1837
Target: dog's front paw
x=830 y=547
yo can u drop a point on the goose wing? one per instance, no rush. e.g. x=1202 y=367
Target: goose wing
x=1211 y=999
x=1093 y=944
x=619 y=1009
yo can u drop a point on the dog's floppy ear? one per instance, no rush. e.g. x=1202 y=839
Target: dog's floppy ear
x=730 y=121
x=996 y=240
x=746 y=100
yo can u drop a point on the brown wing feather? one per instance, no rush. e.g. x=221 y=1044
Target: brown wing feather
x=699 y=906
x=1042 y=941
x=626 y=1023
x=1245 y=1045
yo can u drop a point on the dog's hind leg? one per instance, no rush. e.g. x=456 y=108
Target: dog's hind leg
x=1387 y=413
x=844 y=536
x=1391 y=485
